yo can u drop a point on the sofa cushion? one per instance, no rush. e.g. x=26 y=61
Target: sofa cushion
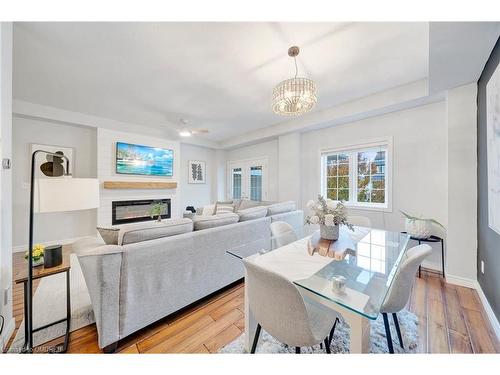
x=278 y=208
x=252 y=213
x=206 y=210
x=205 y=222
x=152 y=230
x=109 y=235
x=223 y=207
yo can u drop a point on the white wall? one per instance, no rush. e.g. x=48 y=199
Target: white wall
x=198 y=195
x=265 y=149
x=289 y=155
x=462 y=183
x=419 y=183
x=106 y=145
x=50 y=227
x=6 y=181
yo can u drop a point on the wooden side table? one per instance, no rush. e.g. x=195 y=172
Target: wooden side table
x=38 y=273
x=431 y=239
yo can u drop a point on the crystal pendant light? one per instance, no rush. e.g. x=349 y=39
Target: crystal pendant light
x=296 y=95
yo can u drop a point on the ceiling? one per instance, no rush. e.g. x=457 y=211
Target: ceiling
x=219 y=76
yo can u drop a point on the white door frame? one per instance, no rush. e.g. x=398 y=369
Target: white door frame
x=245 y=165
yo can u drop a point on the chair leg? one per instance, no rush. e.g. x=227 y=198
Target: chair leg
x=321 y=345
x=330 y=337
x=255 y=339
x=327 y=346
x=388 y=333
x=297 y=350
x=398 y=330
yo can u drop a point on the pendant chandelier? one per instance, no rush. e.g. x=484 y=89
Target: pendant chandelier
x=296 y=95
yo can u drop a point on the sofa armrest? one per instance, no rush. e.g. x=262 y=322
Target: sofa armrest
x=101 y=269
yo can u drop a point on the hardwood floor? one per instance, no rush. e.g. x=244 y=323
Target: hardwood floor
x=451 y=320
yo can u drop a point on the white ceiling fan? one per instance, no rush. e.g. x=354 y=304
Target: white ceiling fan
x=185 y=131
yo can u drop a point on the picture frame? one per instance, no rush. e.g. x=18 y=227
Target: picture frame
x=196 y=172
x=42 y=159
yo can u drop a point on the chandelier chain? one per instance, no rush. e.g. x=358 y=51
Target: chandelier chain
x=296 y=70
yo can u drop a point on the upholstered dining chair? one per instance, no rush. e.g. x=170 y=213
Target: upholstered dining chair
x=279 y=308
x=400 y=290
x=282 y=233
x=360 y=221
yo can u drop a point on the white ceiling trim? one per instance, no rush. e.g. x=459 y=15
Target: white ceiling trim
x=22 y=108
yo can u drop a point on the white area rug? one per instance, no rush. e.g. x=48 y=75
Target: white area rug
x=49 y=305
x=340 y=343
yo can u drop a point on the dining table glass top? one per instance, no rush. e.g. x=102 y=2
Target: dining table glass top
x=370 y=262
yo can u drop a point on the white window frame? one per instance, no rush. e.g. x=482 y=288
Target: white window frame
x=387 y=144
x=245 y=165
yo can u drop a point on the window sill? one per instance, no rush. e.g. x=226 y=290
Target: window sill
x=362 y=207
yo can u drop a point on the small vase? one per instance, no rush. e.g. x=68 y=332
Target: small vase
x=38 y=262
x=419 y=228
x=329 y=233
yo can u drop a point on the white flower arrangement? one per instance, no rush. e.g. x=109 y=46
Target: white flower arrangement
x=327 y=212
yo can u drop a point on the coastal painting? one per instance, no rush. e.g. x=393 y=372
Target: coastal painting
x=144 y=160
x=493 y=149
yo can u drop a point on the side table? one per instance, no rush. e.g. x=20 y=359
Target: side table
x=38 y=273
x=431 y=239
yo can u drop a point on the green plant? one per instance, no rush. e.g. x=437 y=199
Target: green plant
x=413 y=218
x=156 y=210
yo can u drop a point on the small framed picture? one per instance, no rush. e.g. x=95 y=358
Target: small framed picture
x=196 y=173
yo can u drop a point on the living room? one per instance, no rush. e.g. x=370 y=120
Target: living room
x=250 y=187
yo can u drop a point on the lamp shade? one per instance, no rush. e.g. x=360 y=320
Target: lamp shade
x=66 y=194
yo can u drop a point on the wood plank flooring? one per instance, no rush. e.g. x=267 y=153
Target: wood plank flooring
x=451 y=320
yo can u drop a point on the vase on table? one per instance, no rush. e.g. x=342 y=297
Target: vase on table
x=419 y=228
x=329 y=232
x=37 y=262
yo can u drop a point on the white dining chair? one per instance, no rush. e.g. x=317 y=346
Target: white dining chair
x=282 y=233
x=359 y=221
x=400 y=290
x=279 y=308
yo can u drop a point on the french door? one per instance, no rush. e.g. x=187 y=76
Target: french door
x=247 y=179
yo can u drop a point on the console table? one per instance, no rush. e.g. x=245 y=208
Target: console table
x=38 y=273
x=431 y=239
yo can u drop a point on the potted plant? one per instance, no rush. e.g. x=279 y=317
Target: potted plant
x=329 y=215
x=156 y=210
x=37 y=256
x=419 y=227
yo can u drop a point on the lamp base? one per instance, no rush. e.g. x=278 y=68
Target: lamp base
x=52 y=256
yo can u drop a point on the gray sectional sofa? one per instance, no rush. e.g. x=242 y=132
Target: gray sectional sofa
x=154 y=272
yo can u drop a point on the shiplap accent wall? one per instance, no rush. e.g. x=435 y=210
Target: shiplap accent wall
x=106 y=146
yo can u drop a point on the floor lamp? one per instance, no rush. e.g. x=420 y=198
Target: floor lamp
x=57 y=194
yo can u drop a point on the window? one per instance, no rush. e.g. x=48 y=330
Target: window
x=357 y=176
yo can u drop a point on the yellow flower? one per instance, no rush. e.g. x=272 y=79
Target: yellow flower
x=37 y=251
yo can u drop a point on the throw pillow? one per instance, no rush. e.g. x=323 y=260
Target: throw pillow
x=224 y=207
x=109 y=235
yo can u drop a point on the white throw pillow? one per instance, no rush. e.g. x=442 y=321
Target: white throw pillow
x=224 y=208
x=208 y=210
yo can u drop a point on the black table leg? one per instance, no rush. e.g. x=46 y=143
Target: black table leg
x=68 y=312
x=419 y=267
x=25 y=302
x=442 y=256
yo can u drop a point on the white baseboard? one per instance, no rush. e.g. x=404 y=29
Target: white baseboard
x=461 y=281
x=473 y=284
x=489 y=311
x=19 y=248
x=8 y=330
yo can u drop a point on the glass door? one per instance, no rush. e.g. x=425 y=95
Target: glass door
x=247 y=179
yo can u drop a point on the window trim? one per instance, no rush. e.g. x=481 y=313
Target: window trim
x=387 y=143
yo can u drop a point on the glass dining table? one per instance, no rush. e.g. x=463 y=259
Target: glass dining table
x=369 y=260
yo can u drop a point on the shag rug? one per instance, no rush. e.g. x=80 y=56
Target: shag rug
x=49 y=305
x=340 y=343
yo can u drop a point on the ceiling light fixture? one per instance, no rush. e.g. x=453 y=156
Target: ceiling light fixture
x=185 y=133
x=294 y=96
